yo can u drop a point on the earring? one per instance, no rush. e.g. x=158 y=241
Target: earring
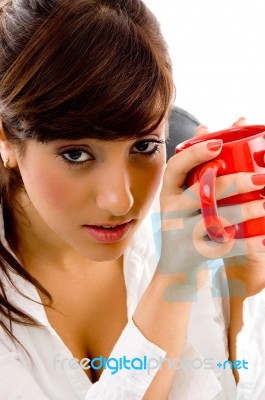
x=6 y=162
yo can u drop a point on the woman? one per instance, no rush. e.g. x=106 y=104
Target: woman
x=85 y=90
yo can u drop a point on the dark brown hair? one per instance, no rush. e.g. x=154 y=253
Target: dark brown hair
x=73 y=69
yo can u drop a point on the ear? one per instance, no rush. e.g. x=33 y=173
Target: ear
x=6 y=150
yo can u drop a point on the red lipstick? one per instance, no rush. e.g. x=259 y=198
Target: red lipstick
x=108 y=233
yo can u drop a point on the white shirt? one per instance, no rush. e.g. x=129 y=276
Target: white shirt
x=250 y=343
x=51 y=373
x=251 y=347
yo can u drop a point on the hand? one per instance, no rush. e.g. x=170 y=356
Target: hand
x=185 y=248
x=249 y=269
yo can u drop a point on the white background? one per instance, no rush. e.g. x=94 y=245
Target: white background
x=218 y=53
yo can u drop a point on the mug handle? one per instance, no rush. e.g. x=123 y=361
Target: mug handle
x=212 y=221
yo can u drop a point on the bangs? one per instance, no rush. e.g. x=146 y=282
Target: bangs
x=119 y=119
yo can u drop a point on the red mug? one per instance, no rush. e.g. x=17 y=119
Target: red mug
x=243 y=151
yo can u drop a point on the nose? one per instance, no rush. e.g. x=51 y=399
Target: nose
x=114 y=191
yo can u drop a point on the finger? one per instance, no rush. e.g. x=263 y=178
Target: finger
x=231 y=215
x=255 y=244
x=201 y=130
x=180 y=164
x=208 y=249
x=238 y=183
x=226 y=186
x=180 y=255
x=240 y=122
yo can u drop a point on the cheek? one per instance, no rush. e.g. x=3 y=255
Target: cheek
x=149 y=182
x=44 y=186
x=53 y=191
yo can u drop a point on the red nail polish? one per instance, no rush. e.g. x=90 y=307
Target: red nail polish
x=214 y=145
x=258 y=179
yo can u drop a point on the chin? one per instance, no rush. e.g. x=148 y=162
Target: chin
x=105 y=252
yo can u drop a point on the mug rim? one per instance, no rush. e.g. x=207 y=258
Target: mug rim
x=257 y=130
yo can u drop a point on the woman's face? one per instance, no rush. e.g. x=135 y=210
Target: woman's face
x=91 y=195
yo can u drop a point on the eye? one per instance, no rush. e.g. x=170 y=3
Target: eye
x=147 y=147
x=76 y=156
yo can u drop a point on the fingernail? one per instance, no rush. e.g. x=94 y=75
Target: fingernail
x=214 y=145
x=258 y=179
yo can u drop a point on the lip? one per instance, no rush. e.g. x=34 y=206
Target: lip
x=105 y=235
